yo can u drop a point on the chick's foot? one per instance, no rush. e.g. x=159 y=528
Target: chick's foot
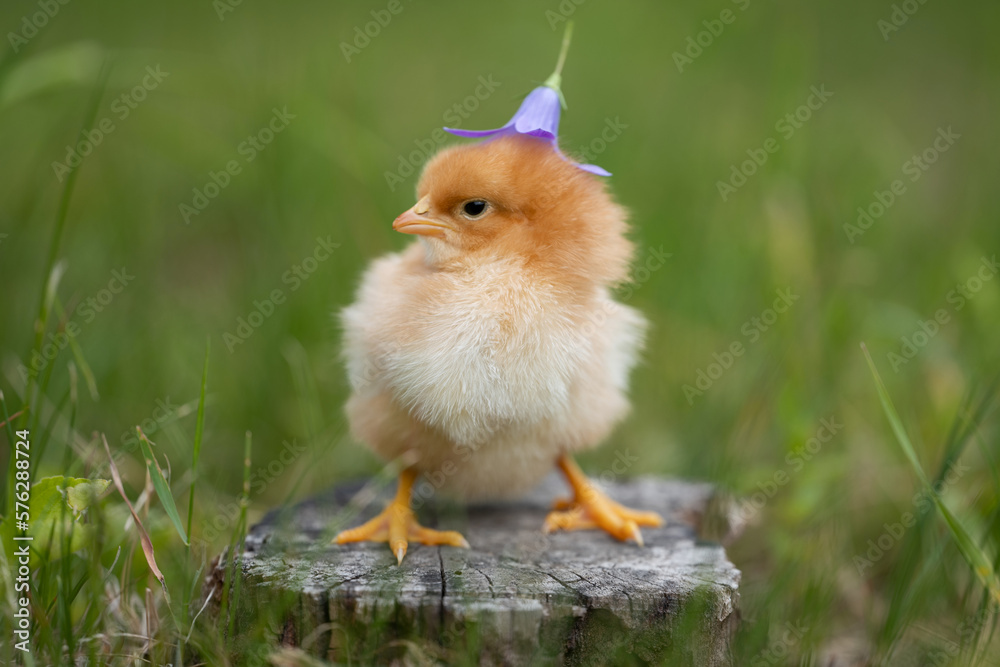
x=591 y=508
x=398 y=525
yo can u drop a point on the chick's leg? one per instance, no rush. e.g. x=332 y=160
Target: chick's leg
x=398 y=526
x=591 y=508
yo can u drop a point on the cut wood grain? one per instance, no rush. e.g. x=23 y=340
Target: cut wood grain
x=517 y=596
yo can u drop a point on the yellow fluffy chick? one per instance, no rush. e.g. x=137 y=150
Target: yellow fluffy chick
x=491 y=349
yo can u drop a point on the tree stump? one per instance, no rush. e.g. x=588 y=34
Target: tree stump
x=517 y=596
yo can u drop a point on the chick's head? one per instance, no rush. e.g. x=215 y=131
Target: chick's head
x=516 y=198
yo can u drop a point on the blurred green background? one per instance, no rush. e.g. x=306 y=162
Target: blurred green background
x=352 y=119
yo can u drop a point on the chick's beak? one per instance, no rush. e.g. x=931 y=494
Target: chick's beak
x=414 y=221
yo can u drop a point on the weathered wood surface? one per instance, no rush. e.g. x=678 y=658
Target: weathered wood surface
x=517 y=597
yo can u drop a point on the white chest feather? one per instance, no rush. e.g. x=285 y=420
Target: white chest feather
x=490 y=357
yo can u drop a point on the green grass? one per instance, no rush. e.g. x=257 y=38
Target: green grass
x=925 y=599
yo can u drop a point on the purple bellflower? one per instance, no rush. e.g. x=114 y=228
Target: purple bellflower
x=538 y=115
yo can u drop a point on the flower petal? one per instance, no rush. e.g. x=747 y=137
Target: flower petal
x=474 y=134
x=594 y=169
x=539 y=114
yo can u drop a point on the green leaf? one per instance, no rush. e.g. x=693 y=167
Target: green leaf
x=75 y=64
x=47 y=495
x=54 y=508
x=160 y=484
x=82 y=496
x=973 y=555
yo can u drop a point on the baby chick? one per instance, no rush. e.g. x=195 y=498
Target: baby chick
x=491 y=349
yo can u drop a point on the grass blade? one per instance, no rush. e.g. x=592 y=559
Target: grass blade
x=60 y=224
x=199 y=428
x=970 y=551
x=74 y=346
x=305 y=387
x=51 y=267
x=909 y=589
x=8 y=419
x=147 y=544
x=239 y=538
x=160 y=484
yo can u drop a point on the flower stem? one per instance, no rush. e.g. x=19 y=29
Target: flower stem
x=567 y=38
x=555 y=81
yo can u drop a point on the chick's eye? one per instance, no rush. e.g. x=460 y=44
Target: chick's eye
x=474 y=208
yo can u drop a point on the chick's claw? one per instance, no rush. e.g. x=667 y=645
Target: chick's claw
x=563 y=504
x=573 y=519
x=591 y=508
x=398 y=526
x=618 y=526
x=640 y=517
